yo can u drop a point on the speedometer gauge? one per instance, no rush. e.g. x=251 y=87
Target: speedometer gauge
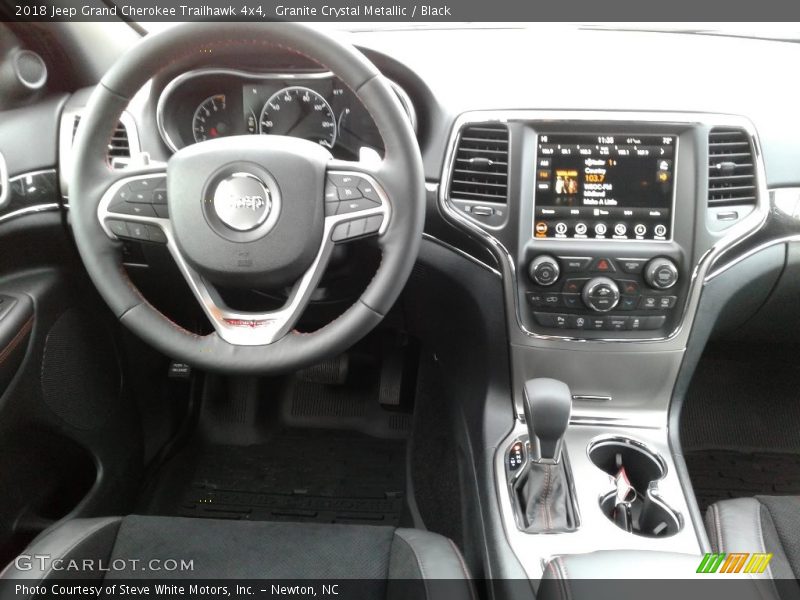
x=299 y=112
x=211 y=119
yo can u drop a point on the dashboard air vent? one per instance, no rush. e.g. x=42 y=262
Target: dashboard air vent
x=480 y=171
x=118 y=147
x=731 y=168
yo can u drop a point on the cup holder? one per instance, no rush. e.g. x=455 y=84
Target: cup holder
x=634 y=504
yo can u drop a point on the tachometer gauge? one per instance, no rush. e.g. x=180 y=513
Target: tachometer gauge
x=211 y=119
x=300 y=112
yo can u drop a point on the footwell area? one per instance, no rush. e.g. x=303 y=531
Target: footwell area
x=299 y=475
x=720 y=474
x=740 y=426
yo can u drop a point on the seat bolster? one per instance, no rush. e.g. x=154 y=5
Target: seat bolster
x=73 y=540
x=735 y=526
x=417 y=554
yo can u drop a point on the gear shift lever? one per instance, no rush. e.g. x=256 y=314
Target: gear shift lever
x=548 y=404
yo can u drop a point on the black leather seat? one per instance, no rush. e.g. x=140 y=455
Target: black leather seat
x=768 y=524
x=248 y=550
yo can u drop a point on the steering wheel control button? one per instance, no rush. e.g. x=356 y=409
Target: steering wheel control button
x=138 y=231
x=242 y=201
x=544 y=270
x=156 y=234
x=331 y=192
x=661 y=273
x=348 y=192
x=601 y=294
x=368 y=190
x=118 y=228
x=357 y=205
x=130 y=208
x=356 y=228
x=159 y=196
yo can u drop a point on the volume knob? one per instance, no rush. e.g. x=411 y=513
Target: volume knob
x=544 y=270
x=661 y=273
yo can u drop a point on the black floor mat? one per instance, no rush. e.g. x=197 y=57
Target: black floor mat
x=720 y=474
x=299 y=475
x=740 y=425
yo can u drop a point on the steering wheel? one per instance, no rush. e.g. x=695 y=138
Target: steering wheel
x=247 y=211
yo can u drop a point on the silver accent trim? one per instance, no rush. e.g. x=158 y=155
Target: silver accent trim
x=460 y=252
x=5 y=183
x=65 y=142
x=736 y=233
x=28 y=210
x=596 y=531
x=590 y=398
x=777 y=193
x=252 y=329
x=169 y=89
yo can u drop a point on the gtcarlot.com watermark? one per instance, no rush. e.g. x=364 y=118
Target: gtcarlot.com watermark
x=45 y=562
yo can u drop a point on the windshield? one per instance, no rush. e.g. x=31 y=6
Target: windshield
x=772 y=31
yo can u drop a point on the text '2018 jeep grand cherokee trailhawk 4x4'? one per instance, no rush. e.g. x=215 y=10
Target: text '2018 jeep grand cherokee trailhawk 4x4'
x=372 y=311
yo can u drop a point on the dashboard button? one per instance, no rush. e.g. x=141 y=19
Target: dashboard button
x=575 y=264
x=596 y=323
x=561 y=321
x=655 y=322
x=551 y=300
x=632 y=265
x=628 y=302
x=574 y=286
x=603 y=265
x=649 y=302
x=617 y=323
x=637 y=323
x=545 y=319
x=667 y=301
x=577 y=322
x=535 y=299
x=628 y=286
x=572 y=300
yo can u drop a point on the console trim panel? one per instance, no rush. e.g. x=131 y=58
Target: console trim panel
x=738 y=232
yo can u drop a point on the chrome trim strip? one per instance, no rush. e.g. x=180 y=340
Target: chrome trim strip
x=461 y=253
x=5 y=184
x=169 y=89
x=29 y=210
x=744 y=228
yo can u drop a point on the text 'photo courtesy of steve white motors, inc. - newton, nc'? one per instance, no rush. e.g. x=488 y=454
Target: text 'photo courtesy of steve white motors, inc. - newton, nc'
x=248 y=11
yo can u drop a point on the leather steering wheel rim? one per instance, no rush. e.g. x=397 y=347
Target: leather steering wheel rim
x=400 y=176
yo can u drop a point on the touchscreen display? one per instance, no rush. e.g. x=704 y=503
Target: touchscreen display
x=616 y=187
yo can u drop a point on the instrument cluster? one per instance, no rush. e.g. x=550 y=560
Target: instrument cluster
x=316 y=106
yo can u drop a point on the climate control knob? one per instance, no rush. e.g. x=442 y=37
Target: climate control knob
x=661 y=273
x=544 y=270
x=601 y=294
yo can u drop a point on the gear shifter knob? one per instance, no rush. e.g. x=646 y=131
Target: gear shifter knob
x=548 y=404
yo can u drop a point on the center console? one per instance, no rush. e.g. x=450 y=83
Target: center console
x=605 y=227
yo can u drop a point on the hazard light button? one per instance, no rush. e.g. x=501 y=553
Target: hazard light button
x=603 y=265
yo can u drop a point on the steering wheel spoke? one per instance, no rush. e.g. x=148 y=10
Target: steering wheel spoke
x=135 y=207
x=356 y=205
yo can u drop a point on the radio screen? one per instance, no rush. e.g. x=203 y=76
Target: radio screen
x=615 y=187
